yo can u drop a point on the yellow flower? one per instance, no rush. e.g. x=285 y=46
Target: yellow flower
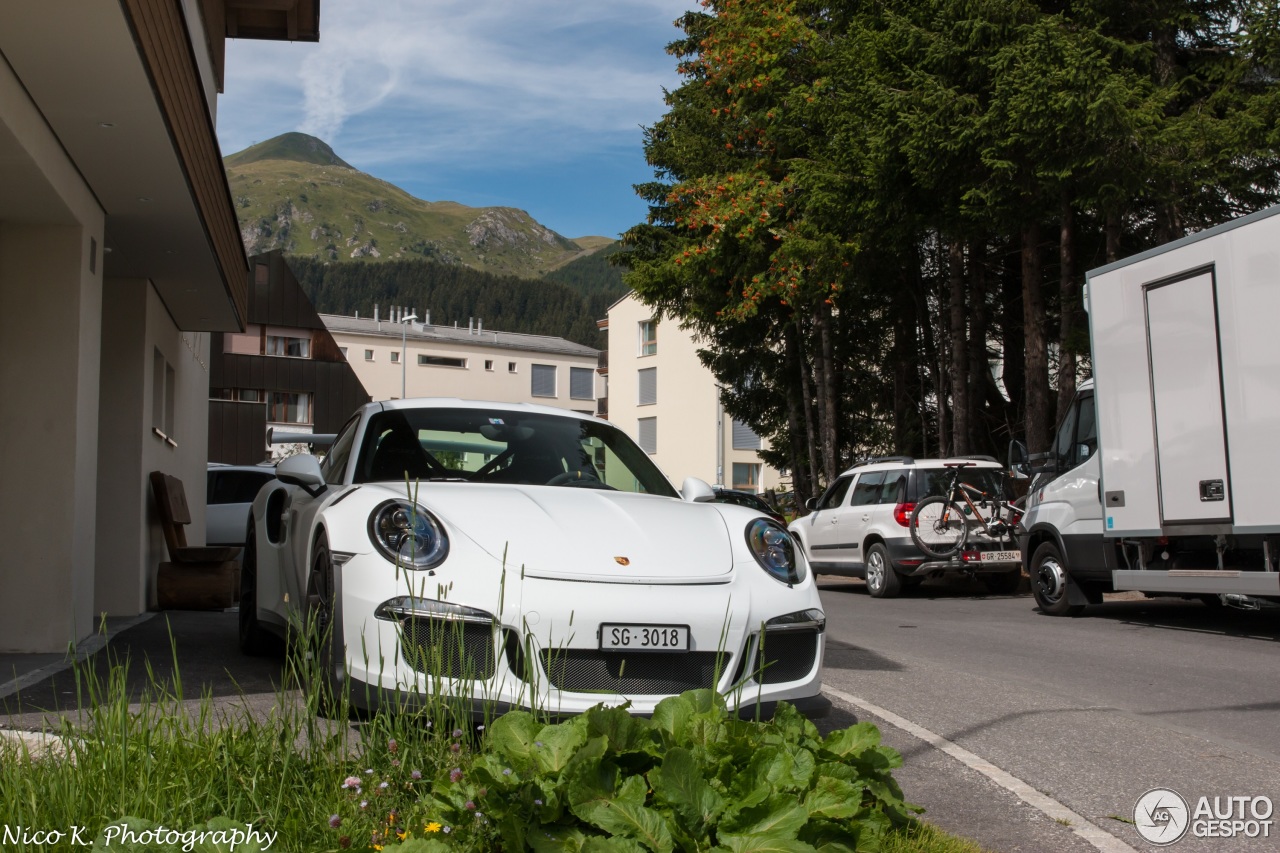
x=402 y=835
x=432 y=827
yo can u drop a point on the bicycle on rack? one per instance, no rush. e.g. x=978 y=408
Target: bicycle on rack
x=940 y=524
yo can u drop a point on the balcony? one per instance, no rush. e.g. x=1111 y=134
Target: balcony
x=602 y=363
x=602 y=407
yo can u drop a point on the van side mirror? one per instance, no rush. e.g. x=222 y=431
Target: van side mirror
x=1019 y=463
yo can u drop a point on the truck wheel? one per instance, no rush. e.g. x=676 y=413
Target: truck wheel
x=882 y=578
x=1049 y=581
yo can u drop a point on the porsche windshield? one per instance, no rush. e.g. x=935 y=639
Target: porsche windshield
x=501 y=446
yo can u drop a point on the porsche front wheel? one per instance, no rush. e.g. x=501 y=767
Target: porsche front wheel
x=254 y=639
x=324 y=659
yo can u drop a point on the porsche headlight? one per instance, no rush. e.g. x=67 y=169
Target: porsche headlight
x=408 y=535
x=774 y=550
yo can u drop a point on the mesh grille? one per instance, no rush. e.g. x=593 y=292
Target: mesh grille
x=786 y=657
x=449 y=649
x=648 y=673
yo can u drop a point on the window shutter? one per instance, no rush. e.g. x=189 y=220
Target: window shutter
x=580 y=383
x=744 y=437
x=648 y=386
x=648 y=434
x=544 y=380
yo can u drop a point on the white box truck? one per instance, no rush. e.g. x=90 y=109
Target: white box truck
x=1164 y=474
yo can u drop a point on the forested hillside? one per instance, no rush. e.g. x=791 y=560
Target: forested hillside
x=596 y=277
x=880 y=215
x=452 y=293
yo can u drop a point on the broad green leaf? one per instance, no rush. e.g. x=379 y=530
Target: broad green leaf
x=679 y=783
x=512 y=736
x=625 y=732
x=554 y=838
x=779 y=815
x=623 y=817
x=833 y=798
x=558 y=744
x=421 y=845
x=587 y=778
x=852 y=741
x=671 y=717
x=765 y=843
x=614 y=844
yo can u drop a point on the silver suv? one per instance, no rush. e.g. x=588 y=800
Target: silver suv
x=859 y=527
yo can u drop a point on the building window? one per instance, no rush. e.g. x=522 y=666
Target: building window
x=164 y=386
x=249 y=395
x=582 y=383
x=543 y=382
x=648 y=383
x=289 y=408
x=648 y=337
x=488 y=364
x=648 y=434
x=511 y=367
x=395 y=357
x=289 y=346
x=368 y=355
x=441 y=361
x=744 y=437
x=248 y=342
x=746 y=476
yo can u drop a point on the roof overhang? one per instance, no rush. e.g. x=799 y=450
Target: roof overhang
x=119 y=84
x=279 y=20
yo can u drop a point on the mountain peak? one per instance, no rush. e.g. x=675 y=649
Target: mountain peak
x=289 y=146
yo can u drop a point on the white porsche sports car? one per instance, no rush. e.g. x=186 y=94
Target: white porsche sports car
x=514 y=555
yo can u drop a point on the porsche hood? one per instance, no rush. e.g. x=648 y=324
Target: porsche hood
x=583 y=534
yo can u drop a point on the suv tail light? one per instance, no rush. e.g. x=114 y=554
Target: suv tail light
x=902 y=514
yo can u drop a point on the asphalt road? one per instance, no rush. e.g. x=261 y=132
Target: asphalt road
x=1093 y=712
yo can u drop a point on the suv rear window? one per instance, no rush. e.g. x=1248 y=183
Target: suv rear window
x=932 y=481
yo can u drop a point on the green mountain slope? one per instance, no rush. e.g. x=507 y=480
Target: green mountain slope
x=293 y=193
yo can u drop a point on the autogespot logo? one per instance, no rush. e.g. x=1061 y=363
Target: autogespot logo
x=1161 y=816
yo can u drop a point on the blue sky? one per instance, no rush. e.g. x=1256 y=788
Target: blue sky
x=535 y=104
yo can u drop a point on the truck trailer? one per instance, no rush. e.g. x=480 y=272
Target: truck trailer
x=1164 y=474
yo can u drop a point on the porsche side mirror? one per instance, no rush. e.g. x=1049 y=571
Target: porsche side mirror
x=697 y=491
x=303 y=471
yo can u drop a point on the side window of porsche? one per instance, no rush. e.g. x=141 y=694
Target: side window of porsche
x=334 y=466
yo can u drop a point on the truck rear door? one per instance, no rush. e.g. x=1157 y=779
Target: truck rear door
x=1187 y=401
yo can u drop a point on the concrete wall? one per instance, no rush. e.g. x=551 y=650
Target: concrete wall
x=382 y=378
x=694 y=435
x=50 y=321
x=131 y=544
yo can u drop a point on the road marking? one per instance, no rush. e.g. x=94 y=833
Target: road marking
x=1099 y=838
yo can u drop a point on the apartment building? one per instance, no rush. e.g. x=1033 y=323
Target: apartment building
x=666 y=399
x=117 y=230
x=403 y=355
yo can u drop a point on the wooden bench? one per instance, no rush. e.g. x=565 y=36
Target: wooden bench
x=196 y=577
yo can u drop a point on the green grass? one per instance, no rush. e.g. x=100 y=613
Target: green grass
x=163 y=758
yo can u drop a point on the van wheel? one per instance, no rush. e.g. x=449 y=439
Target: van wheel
x=1049 y=582
x=882 y=578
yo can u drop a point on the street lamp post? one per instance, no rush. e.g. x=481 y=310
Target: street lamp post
x=404 y=332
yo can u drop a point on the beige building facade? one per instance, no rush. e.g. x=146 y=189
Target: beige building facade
x=666 y=399
x=396 y=358
x=119 y=255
